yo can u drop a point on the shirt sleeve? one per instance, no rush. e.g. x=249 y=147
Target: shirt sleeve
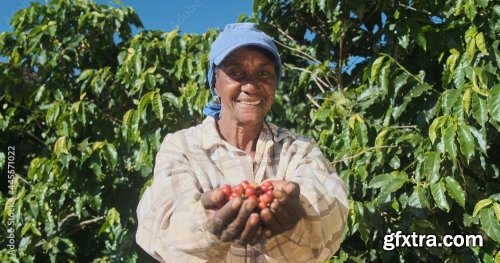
x=171 y=218
x=317 y=236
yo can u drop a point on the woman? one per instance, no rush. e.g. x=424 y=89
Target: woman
x=184 y=216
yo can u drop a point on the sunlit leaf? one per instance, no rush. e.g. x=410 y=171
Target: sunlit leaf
x=465 y=140
x=431 y=167
x=466 y=101
x=158 y=105
x=480 y=138
x=375 y=68
x=481 y=45
x=479 y=109
x=490 y=224
x=436 y=124
x=496 y=209
x=449 y=135
x=438 y=191
x=455 y=190
x=480 y=205
x=494 y=103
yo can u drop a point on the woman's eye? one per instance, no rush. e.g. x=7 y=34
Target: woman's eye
x=235 y=74
x=264 y=74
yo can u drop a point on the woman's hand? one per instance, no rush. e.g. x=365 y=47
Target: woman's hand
x=285 y=211
x=234 y=220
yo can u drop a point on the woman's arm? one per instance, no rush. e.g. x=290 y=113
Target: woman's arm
x=316 y=236
x=172 y=218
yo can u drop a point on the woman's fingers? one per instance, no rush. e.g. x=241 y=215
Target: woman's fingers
x=213 y=199
x=251 y=232
x=219 y=220
x=280 y=213
x=269 y=219
x=235 y=228
x=285 y=211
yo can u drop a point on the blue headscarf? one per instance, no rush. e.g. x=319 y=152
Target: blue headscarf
x=231 y=38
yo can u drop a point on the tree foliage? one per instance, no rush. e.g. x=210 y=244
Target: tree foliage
x=402 y=96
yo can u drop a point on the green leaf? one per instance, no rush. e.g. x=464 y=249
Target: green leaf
x=364 y=225
x=112 y=154
x=145 y=100
x=415 y=92
x=480 y=138
x=481 y=45
x=466 y=101
x=449 y=140
x=436 y=124
x=421 y=41
x=481 y=204
x=389 y=182
x=466 y=141
x=60 y=146
x=53 y=113
x=151 y=80
x=490 y=224
x=85 y=74
x=375 y=68
x=34 y=229
x=496 y=209
x=395 y=163
x=470 y=9
x=452 y=59
x=418 y=198
x=455 y=190
x=438 y=192
x=384 y=78
x=158 y=105
x=494 y=103
x=459 y=73
x=471 y=49
x=379 y=140
x=450 y=98
x=479 y=109
x=361 y=133
x=25 y=228
x=431 y=166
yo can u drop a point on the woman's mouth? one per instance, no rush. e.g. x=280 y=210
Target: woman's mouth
x=249 y=102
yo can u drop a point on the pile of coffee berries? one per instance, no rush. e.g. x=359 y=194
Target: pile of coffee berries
x=262 y=194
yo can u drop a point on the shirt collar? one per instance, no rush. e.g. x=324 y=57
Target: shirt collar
x=211 y=137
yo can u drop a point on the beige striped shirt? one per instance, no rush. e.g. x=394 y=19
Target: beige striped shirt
x=192 y=161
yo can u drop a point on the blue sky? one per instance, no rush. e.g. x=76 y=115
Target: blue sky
x=192 y=16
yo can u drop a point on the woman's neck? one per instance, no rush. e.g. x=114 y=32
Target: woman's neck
x=243 y=137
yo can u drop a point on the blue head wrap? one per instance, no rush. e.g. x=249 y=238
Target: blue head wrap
x=231 y=38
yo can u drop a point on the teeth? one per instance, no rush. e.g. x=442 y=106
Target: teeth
x=253 y=103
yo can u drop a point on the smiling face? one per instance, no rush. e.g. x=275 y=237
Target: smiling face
x=246 y=83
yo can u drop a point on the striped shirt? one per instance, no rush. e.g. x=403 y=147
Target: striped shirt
x=172 y=220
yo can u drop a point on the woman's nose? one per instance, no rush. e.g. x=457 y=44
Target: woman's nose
x=249 y=84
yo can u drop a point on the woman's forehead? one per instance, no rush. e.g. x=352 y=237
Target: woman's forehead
x=238 y=53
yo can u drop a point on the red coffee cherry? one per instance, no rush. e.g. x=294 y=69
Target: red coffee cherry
x=262 y=194
x=226 y=189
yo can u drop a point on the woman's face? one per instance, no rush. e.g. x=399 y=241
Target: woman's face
x=246 y=83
